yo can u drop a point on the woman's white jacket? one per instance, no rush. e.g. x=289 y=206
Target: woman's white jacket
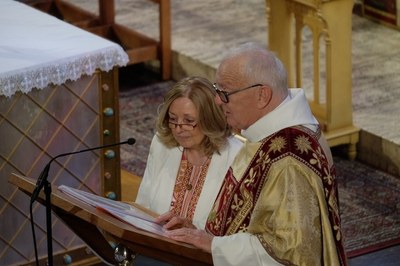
x=156 y=188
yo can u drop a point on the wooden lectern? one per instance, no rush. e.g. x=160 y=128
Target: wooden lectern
x=97 y=229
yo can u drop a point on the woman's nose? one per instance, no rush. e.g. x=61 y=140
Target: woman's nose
x=178 y=128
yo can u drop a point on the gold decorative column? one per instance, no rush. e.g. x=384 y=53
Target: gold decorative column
x=329 y=22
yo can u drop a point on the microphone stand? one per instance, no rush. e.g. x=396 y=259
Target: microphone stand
x=47 y=192
x=42 y=182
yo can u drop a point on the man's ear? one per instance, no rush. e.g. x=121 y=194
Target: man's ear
x=264 y=96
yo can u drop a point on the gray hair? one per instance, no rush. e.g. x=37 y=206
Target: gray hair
x=261 y=66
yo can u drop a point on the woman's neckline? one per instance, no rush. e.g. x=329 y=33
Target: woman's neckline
x=203 y=161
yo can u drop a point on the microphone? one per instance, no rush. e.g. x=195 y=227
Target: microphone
x=43 y=175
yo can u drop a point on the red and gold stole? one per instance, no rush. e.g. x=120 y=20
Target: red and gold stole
x=234 y=205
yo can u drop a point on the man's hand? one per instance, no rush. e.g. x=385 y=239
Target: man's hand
x=198 y=238
x=171 y=221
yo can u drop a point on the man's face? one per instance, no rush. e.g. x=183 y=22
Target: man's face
x=240 y=108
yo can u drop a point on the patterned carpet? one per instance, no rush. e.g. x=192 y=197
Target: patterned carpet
x=369 y=198
x=138 y=110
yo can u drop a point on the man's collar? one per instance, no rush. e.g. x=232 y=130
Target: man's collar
x=293 y=111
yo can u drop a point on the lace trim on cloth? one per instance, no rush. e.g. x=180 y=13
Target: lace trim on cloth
x=59 y=72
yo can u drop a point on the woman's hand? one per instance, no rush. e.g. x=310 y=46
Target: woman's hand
x=198 y=238
x=171 y=221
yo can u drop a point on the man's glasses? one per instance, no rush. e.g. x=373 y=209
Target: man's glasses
x=224 y=96
x=187 y=127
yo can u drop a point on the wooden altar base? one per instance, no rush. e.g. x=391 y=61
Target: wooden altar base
x=139 y=47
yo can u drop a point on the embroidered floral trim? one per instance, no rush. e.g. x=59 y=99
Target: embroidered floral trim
x=184 y=200
x=232 y=211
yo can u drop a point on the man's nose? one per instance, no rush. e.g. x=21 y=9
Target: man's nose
x=217 y=99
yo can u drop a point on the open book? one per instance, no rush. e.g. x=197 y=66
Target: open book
x=126 y=212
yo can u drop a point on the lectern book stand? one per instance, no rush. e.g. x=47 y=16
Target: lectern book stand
x=97 y=229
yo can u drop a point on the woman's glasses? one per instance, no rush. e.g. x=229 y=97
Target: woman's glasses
x=187 y=127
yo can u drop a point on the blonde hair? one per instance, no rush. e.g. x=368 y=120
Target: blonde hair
x=211 y=118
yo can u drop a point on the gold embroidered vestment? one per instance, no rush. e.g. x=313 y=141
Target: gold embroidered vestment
x=283 y=190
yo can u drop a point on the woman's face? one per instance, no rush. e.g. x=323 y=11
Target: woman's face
x=182 y=117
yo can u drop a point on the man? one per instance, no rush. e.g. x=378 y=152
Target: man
x=278 y=204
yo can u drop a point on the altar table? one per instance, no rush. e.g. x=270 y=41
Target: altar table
x=58 y=94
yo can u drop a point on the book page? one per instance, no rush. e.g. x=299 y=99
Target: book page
x=135 y=221
x=123 y=211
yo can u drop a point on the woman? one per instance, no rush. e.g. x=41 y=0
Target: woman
x=189 y=156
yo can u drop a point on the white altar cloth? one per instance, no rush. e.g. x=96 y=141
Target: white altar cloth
x=37 y=49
